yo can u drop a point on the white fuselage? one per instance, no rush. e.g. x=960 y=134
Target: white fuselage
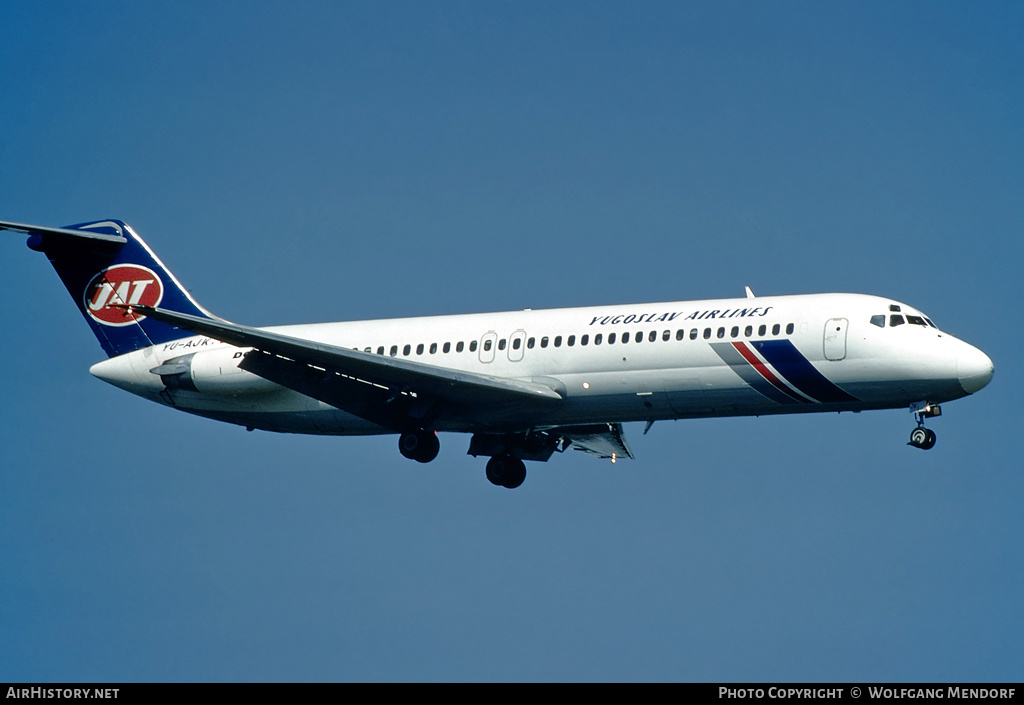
x=645 y=362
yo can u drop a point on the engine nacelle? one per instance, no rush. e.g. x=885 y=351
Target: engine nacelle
x=211 y=372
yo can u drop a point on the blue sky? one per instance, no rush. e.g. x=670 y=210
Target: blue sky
x=315 y=161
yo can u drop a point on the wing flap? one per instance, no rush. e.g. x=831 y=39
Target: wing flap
x=600 y=440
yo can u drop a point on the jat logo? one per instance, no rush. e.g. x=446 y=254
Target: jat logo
x=119 y=285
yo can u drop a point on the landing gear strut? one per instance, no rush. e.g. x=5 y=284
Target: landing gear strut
x=506 y=471
x=421 y=446
x=921 y=437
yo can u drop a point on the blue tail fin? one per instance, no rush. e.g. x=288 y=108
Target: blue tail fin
x=104 y=274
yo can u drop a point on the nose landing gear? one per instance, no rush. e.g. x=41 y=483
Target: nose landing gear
x=921 y=437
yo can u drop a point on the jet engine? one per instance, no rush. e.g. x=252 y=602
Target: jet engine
x=211 y=372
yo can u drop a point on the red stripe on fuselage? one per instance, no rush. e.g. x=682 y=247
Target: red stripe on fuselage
x=763 y=370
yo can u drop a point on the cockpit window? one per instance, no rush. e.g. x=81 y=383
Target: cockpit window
x=898 y=320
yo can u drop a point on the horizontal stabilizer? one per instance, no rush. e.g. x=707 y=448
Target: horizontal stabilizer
x=64 y=234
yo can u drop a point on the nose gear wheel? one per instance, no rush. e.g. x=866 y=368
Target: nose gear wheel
x=923 y=438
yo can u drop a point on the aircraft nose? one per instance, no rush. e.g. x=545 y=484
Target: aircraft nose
x=974 y=369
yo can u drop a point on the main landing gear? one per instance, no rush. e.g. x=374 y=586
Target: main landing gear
x=921 y=437
x=421 y=446
x=506 y=471
x=503 y=470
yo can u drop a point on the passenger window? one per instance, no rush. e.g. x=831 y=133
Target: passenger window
x=652 y=336
x=459 y=347
x=721 y=332
x=487 y=345
x=517 y=343
x=433 y=348
x=611 y=338
x=446 y=348
x=394 y=350
x=597 y=339
x=789 y=329
x=666 y=335
x=707 y=334
x=895 y=320
x=680 y=334
x=544 y=342
x=407 y=349
x=625 y=337
x=693 y=334
x=472 y=346
x=762 y=329
x=571 y=341
x=584 y=340
x=735 y=332
x=558 y=341
x=380 y=350
x=878 y=320
x=748 y=331
x=775 y=329
x=531 y=342
x=501 y=344
x=419 y=349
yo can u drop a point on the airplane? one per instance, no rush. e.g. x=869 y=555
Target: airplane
x=524 y=384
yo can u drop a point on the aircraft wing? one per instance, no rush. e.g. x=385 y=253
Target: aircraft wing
x=600 y=440
x=382 y=389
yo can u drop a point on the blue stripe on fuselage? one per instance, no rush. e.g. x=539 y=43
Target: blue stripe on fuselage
x=738 y=364
x=798 y=371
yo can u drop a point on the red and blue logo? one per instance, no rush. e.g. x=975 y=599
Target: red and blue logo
x=777 y=370
x=120 y=285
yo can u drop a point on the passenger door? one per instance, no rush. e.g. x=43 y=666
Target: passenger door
x=835 y=339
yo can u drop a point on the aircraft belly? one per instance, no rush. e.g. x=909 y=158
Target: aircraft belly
x=716 y=391
x=894 y=393
x=283 y=411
